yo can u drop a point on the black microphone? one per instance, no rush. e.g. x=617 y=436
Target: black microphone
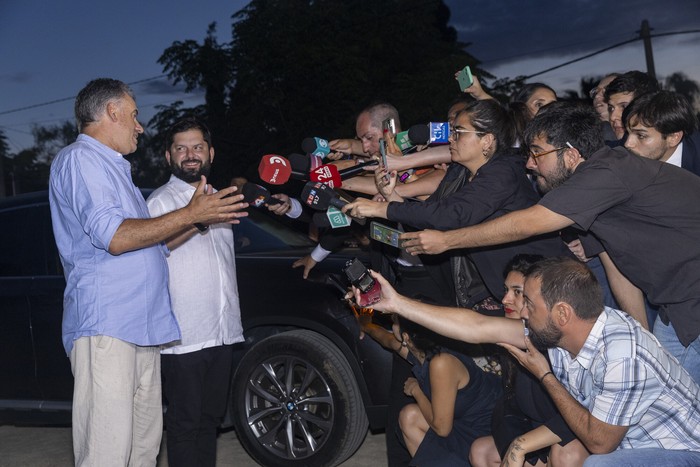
x=257 y=196
x=320 y=196
x=352 y=171
x=433 y=132
x=302 y=165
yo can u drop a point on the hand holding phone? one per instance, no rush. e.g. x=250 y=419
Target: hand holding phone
x=384 y=234
x=465 y=79
x=359 y=277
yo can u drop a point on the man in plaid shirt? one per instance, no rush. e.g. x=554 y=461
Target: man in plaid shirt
x=624 y=396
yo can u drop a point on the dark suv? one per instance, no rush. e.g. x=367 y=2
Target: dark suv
x=304 y=388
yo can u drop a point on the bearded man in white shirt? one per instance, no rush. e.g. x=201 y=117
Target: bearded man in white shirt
x=204 y=294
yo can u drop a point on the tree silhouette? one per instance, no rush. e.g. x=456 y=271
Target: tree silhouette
x=299 y=69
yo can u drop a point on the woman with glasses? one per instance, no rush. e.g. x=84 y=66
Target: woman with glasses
x=486 y=180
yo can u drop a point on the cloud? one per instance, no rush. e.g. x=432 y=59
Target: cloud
x=20 y=77
x=515 y=29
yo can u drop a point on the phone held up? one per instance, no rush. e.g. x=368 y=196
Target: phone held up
x=359 y=276
x=384 y=234
x=464 y=78
x=389 y=125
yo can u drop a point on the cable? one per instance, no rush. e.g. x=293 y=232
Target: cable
x=5 y=112
x=606 y=49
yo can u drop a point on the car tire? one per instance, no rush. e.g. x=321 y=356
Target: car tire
x=279 y=425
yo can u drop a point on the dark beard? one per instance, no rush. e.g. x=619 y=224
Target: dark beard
x=546 y=338
x=557 y=178
x=190 y=176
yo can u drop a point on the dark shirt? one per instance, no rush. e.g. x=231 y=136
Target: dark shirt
x=646 y=214
x=690 y=159
x=498 y=187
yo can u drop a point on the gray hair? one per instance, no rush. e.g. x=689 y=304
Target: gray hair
x=92 y=100
x=380 y=111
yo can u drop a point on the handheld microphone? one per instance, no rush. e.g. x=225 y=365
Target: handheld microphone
x=257 y=196
x=331 y=176
x=302 y=164
x=320 y=196
x=327 y=174
x=316 y=146
x=332 y=218
x=274 y=169
x=352 y=171
x=432 y=133
x=403 y=141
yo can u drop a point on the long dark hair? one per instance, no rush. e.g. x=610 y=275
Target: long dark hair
x=488 y=116
x=422 y=338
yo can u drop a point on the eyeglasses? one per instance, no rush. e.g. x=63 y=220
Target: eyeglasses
x=454 y=132
x=535 y=155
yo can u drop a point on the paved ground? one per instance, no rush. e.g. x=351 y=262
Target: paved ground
x=51 y=447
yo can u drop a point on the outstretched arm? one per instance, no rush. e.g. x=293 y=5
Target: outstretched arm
x=457 y=323
x=205 y=208
x=511 y=227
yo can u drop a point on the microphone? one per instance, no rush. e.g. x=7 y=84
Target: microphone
x=274 y=169
x=320 y=196
x=332 y=219
x=433 y=132
x=331 y=176
x=257 y=196
x=404 y=142
x=327 y=174
x=303 y=164
x=352 y=171
x=316 y=146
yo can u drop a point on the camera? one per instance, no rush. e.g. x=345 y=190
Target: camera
x=359 y=276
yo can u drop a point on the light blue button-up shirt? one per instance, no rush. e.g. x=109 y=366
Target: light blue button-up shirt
x=125 y=296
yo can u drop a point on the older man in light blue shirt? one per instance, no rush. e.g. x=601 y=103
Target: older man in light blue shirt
x=116 y=304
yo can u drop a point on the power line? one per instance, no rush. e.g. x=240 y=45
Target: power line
x=64 y=99
x=606 y=49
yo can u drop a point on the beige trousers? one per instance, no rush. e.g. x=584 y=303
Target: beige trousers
x=117 y=406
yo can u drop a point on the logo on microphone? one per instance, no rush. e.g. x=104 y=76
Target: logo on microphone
x=277 y=160
x=440 y=132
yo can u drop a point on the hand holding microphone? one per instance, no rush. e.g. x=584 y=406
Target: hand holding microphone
x=320 y=196
x=257 y=196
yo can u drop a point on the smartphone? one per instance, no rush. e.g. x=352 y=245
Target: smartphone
x=464 y=78
x=389 y=125
x=382 y=151
x=384 y=234
x=359 y=276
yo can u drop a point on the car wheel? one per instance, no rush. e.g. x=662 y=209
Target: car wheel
x=295 y=402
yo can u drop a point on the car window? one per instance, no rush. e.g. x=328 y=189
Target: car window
x=27 y=247
x=262 y=232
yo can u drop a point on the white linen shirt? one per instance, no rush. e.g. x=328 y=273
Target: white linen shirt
x=203 y=287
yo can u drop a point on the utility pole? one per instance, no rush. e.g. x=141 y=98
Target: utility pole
x=645 y=35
